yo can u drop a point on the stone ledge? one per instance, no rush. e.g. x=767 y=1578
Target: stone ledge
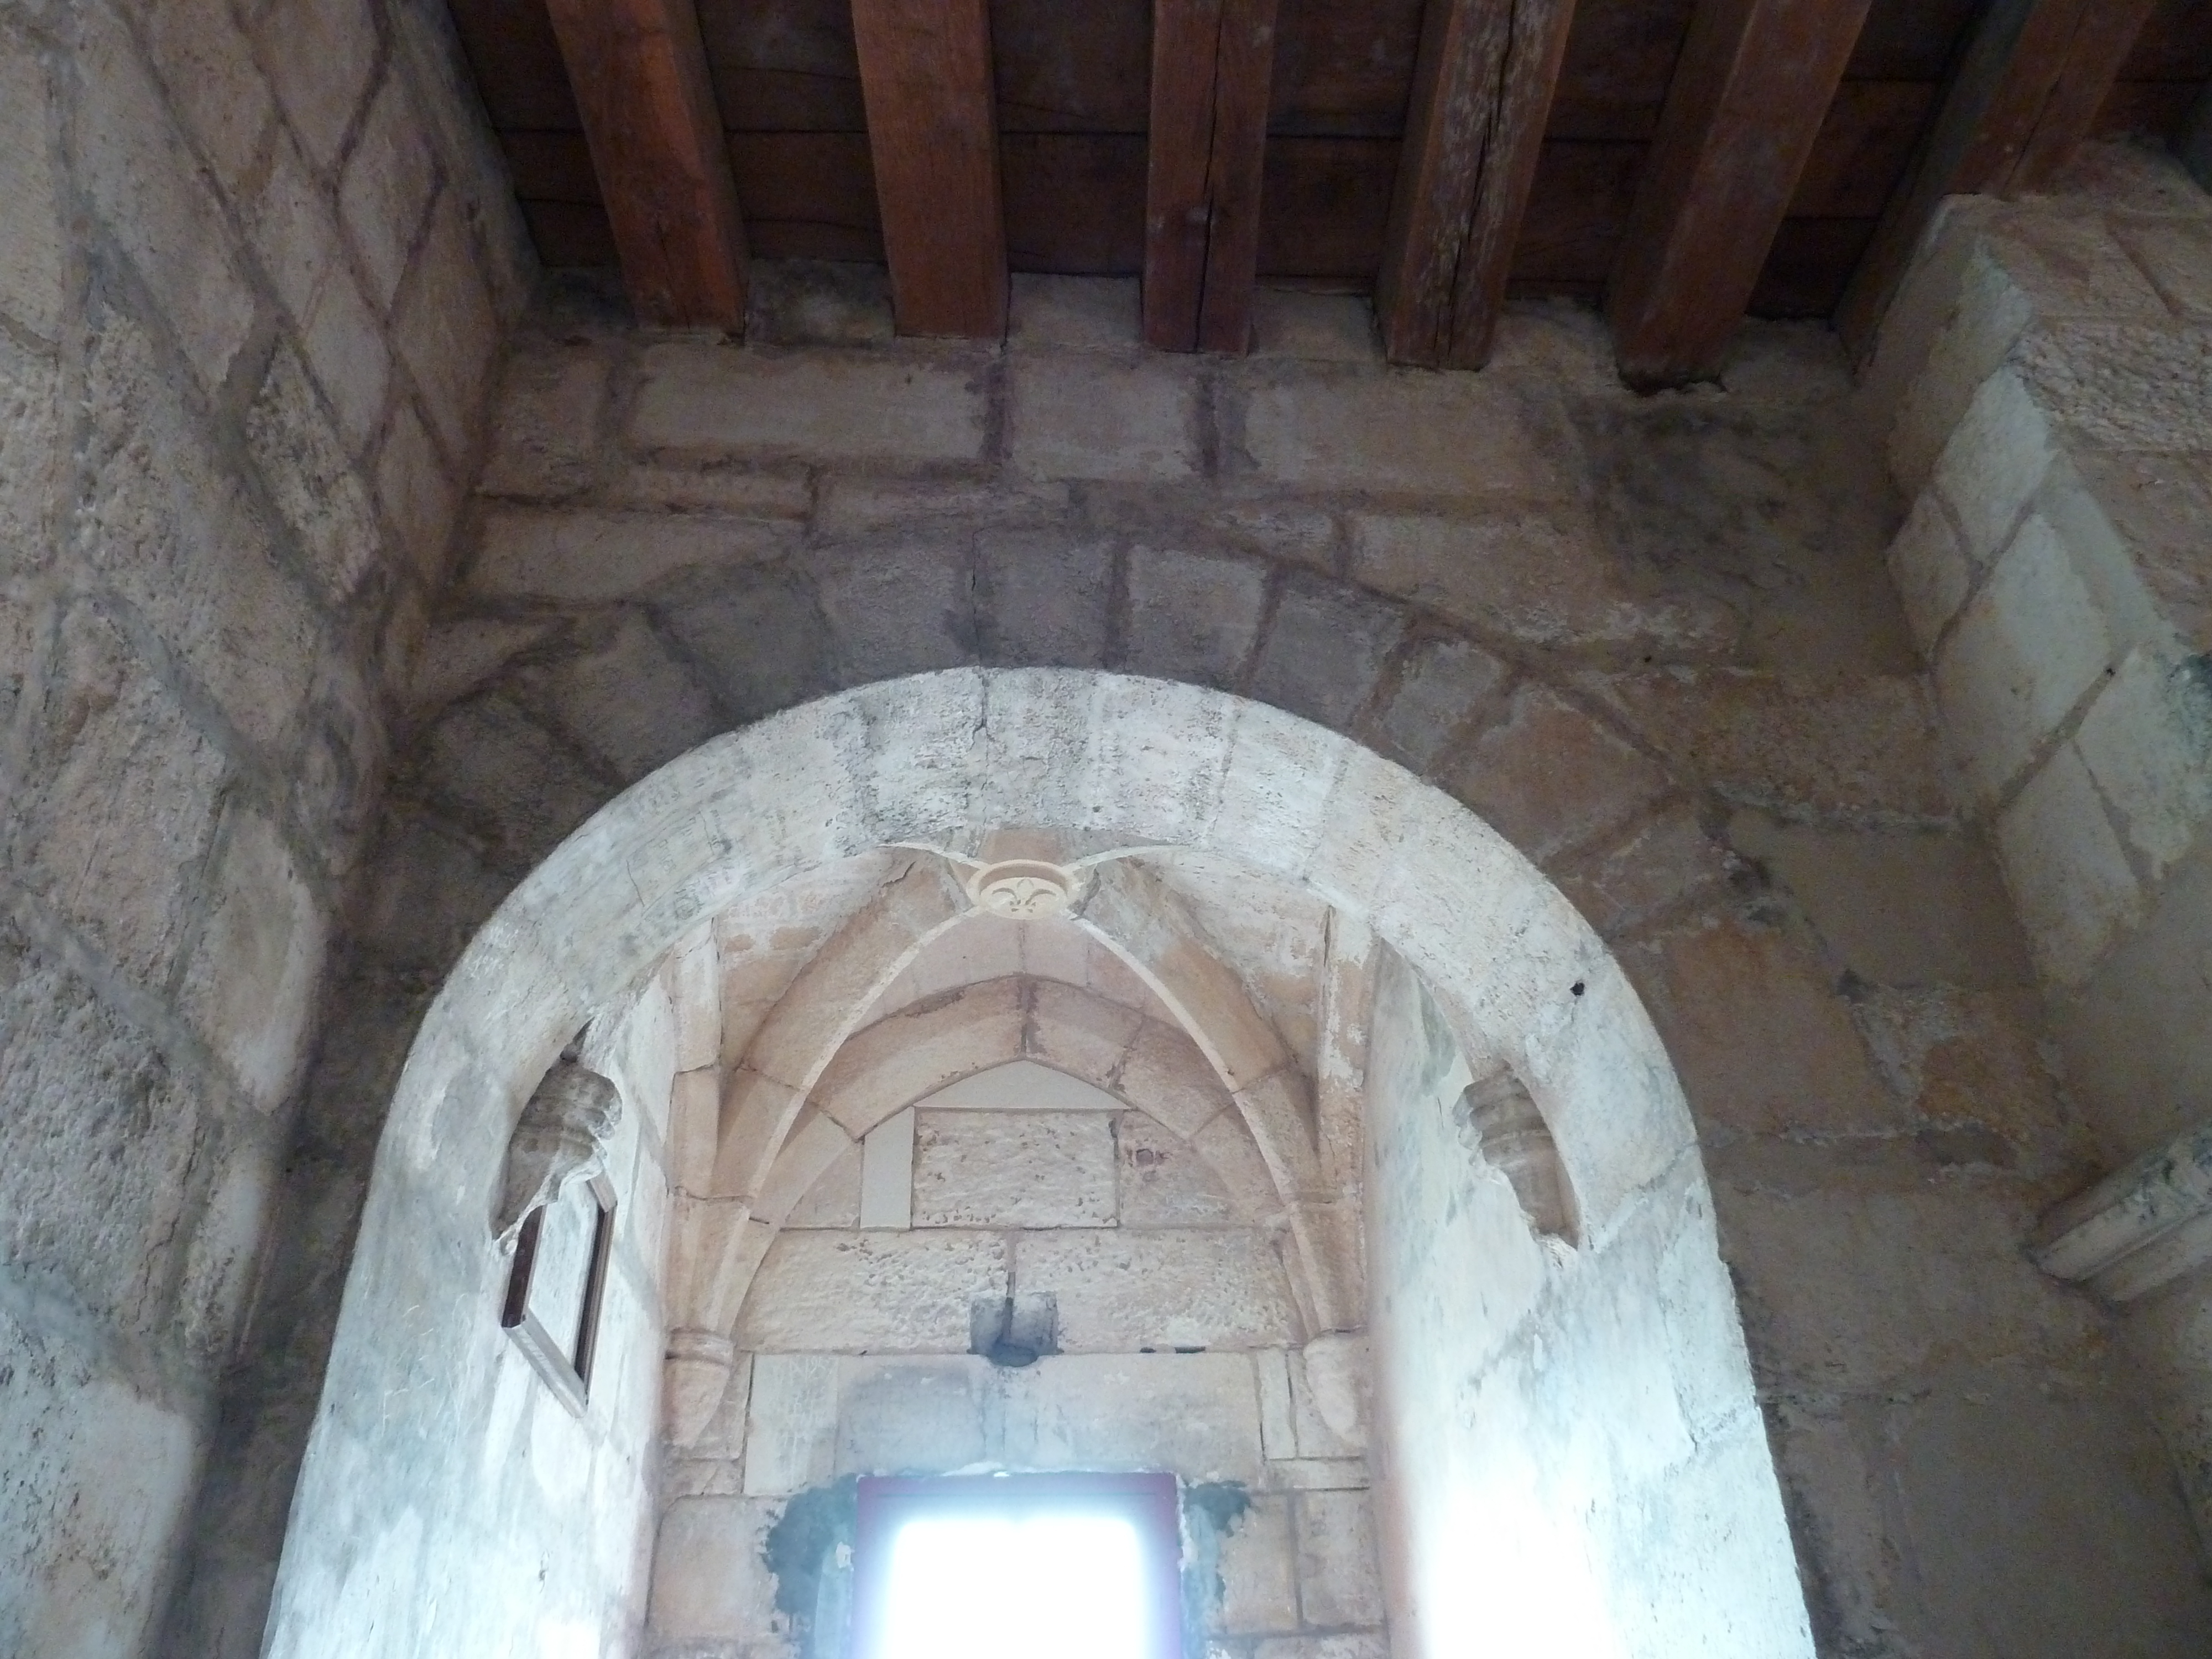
x=2139 y=1227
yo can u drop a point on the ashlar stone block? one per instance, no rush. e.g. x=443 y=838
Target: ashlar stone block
x=1014 y=1170
x=2068 y=872
x=1259 y=1571
x=593 y=556
x=2026 y=647
x=1193 y=616
x=913 y=408
x=2147 y=742
x=144 y=183
x=34 y=254
x=1195 y=1414
x=545 y=434
x=1163 y=1180
x=1077 y=416
x=1548 y=777
x=385 y=188
x=1392 y=432
x=872 y=1292
x=444 y=328
x=1338 y=1582
x=258 y=960
x=1930 y=570
x=1325 y=650
x=315 y=484
x=710 y=1575
x=1122 y=1289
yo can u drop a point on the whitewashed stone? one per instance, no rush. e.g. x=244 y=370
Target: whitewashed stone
x=1931 y=573
x=1194 y=1413
x=1014 y=1170
x=876 y=1292
x=2066 y=868
x=2147 y=742
x=2026 y=647
x=1120 y=1291
x=887 y=1173
x=791 y=1423
x=1339 y=1583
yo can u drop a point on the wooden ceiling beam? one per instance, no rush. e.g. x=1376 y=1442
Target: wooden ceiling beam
x=639 y=71
x=1750 y=90
x=1212 y=66
x=1482 y=96
x=2023 y=94
x=933 y=136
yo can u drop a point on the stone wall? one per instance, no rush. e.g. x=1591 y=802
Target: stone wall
x=1568 y=1448
x=1652 y=640
x=2044 y=388
x=253 y=262
x=1172 y=1343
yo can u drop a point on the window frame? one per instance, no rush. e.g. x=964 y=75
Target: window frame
x=1152 y=1503
x=570 y=1379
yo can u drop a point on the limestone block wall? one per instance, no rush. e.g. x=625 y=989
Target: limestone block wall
x=1175 y=1345
x=1651 y=640
x=253 y=262
x=2043 y=389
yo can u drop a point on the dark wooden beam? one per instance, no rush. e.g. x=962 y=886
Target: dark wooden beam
x=1213 y=63
x=1750 y=91
x=1482 y=94
x=933 y=136
x=640 y=75
x=2020 y=97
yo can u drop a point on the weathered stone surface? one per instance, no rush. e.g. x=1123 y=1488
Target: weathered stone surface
x=1193 y=616
x=630 y=702
x=710 y=1572
x=1259 y=1571
x=30 y=449
x=529 y=553
x=2147 y=740
x=911 y=407
x=1014 y=1170
x=763 y=645
x=1045 y=602
x=1119 y=1291
x=1191 y=1413
x=546 y=439
x=296 y=234
x=1396 y=433
x=1335 y=328
x=1919 y=908
x=1762 y=1045
x=1649 y=870
x=1544 y=581
x=2025 y=649
x=321 y=59
x=913 y=1416
x=2067 y=871
x=1072 y=313
x=33 y=261
x=1548 y=778
x=1931 y=570
x=1162 y=1181
x=127 y=799
x=257 y=961
x=142 y=182
x=385 y=188
x=1862 y=746
x=313 y=480
x=1086 y=417
x=419 y=496
x=1338 y=1580
x=444 y=327
x=1442 y=682
x=872 y=1292
x=1324 y=651
x=899 y=610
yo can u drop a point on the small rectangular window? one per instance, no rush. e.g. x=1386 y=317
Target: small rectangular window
x=1075 y=1566
x=554 y=1287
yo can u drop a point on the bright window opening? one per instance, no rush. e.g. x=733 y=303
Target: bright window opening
x=1019 y=1567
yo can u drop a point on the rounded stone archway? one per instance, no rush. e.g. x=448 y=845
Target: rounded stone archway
x=1589 y=1459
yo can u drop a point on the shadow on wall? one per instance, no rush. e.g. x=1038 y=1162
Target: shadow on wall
x=1559 y=1428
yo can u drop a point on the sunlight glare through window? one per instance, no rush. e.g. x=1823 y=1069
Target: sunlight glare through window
x=991 y=1587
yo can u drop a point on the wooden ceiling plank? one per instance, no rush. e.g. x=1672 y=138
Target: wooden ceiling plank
x=1481 y=99
x=1213 y=65
x=640 y=74
x=2019 y=56
x=926 y=78
x=1750 y=92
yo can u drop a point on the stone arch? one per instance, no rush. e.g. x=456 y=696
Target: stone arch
x=939 y=761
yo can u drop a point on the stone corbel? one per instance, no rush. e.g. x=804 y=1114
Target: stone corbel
x=2138 y=1229
x=561 y=1137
